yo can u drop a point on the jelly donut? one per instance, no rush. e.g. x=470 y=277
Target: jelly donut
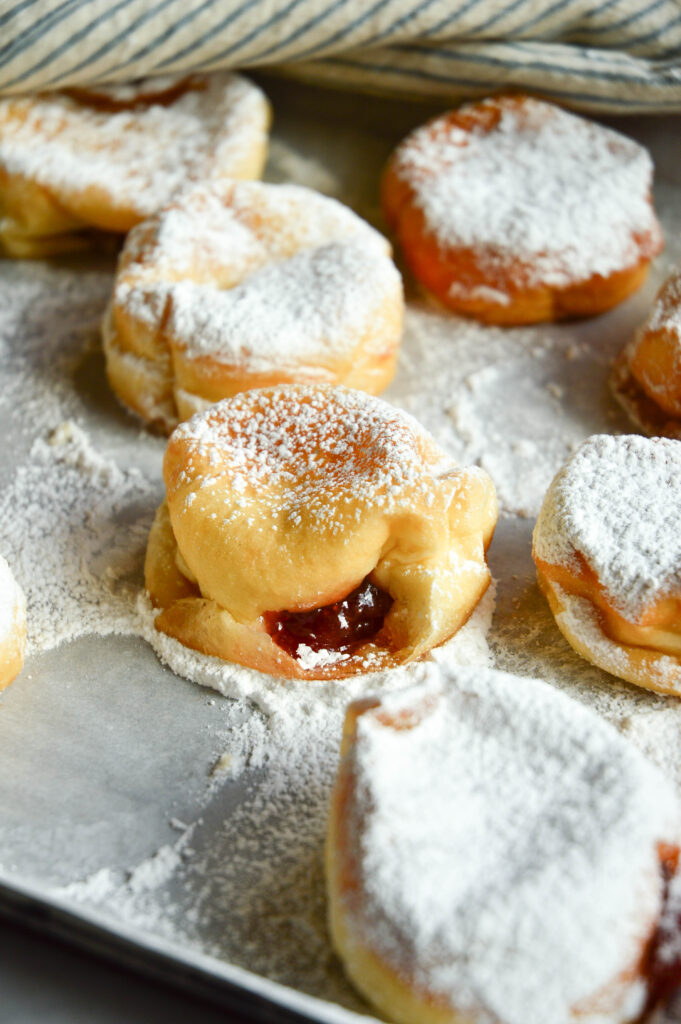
x=607 y=547
x=514 y=211
x=646 y=377
x=106 y=158
x=315 y=532
x=237 y=286
x=12 y=626
x=496 y=852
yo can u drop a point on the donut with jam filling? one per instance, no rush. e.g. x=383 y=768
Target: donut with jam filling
x=315 y=532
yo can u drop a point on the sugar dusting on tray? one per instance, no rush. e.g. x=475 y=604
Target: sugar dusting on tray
x=244 y=881
x=74 y=531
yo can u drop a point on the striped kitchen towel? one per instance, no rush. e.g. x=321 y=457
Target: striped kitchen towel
x=617 y=55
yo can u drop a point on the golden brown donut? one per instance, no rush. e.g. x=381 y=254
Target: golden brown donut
x=236 y=286
x=646 y=378
x=315 y=532
x=497 y=852
x=12 y=626
x=608 y=553
x=106 y=158
x=514 y=211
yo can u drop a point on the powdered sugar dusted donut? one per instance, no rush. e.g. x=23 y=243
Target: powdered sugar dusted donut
x=107 y=158
x=496 y=852
x=514 y=211
x=646 y=378
x=315 y=532
x=607 y=546
x=236 y=286
x=12 y=626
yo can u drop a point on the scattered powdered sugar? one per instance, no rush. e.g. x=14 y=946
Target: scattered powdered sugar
x=564 y=818
x=616 y=503
x=457 y=376
x=249 y=886
x=147 y=875
x=313 y=452
x=564 y=197
x=262 y=276
x=137 y=157
x=74 y=527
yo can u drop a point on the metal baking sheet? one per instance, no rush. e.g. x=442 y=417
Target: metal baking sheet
x=120 y=821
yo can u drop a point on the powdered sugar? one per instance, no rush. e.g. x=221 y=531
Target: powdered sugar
x=616 y=503
x=563 y=818
x=248 y=888
x=273 y=696
x=137 y=158
x=75 y=527
x=262 y=278
x=314 y=308
x=321 y=452
x=559 y=196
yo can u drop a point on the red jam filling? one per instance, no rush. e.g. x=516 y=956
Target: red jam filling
x=336 y=627
x=661 y=966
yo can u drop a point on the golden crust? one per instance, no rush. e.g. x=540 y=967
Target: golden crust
x=394 y=994
x=80 y=162
x=13 y=642
x=508 y=291
x=641 y=408
x=382 y=958
x=646 y=377
x=287 y=499
x=186 y=329
x=581 y=623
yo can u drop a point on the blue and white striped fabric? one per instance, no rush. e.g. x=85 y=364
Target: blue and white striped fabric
x=617 y=55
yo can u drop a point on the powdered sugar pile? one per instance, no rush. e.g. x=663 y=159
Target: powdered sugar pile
x=562 y=196
x=136 y=158
x=502 y=840
x=316 y=306
x=247 y=886
x=616 y=502
x=261 y=276
x=74 y=527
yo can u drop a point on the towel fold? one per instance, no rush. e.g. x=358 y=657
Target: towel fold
x=617 y=55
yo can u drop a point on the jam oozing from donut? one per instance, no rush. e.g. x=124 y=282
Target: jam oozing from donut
x=111 y=104
x=661 y=966
x=356 y=618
